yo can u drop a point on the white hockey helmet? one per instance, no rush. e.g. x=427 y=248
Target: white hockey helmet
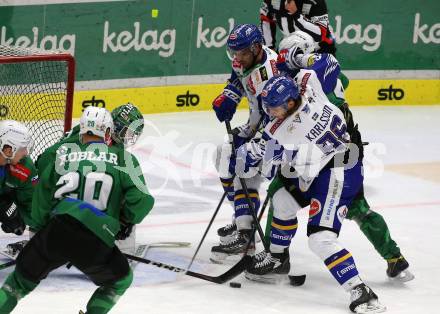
x=96 y=121
x=301 y=40
x=15 y=135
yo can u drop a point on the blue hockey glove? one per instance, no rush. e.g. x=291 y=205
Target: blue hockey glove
x=226 y=103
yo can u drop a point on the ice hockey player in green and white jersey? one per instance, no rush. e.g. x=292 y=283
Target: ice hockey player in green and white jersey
x=77 y=207
x=128 y=126
x=18 y=177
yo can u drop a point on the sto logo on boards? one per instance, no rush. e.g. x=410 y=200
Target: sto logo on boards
x=93 y=102
x=187 y=100
x=390 y=93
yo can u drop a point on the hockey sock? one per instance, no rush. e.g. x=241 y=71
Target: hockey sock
x=281 y=234
x=376 y=230
x=105 y=297
x=243 y=216
x=14 y=288
x=228 y=187
x=343 y=268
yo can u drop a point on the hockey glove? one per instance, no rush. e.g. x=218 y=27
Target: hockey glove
x=12 y=222
x=226 y=103
x=287 y=59
x=126 y=229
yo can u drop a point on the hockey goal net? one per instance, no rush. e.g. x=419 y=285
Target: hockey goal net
x=36 y=88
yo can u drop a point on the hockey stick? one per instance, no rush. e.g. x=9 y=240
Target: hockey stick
x=168 y=244
x=207 y=228
x=221 y=201
x=228 y=275
x=246 y=192
x=8 y=264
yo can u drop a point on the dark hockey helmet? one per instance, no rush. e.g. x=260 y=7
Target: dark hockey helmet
x=129 y=124
x=277 y=92
x=243 y=36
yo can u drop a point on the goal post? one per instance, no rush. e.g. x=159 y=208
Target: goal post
x=36 y=88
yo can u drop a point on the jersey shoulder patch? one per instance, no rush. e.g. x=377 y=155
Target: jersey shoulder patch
x=20 y=172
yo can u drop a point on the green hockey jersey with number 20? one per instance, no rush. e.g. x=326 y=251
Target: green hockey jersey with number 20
x=94 y=183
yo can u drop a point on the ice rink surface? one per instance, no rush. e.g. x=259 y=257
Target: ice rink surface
x=402 y=182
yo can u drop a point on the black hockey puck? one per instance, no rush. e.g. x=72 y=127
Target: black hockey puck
x=233 y=284
x=297 y=280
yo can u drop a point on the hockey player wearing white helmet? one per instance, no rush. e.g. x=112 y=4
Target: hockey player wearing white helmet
x=18 y=177
x=96 y=122
x=84 y=193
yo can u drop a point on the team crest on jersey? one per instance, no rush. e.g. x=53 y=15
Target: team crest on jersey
x=306 y=109
x=342 y=213
x=297 y=118
x=291 y=128
x=315 y=208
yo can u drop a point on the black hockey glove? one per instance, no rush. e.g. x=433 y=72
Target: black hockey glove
x=11 y=221
x=124 y=233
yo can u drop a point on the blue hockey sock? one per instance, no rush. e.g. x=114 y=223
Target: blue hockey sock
x=342 y=266
x=228 y=187
x=282 y=232
x=241 y=203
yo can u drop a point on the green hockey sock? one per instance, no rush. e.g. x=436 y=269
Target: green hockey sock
x=376 y=230
x=268 y=223
x=14 y=288
x=105 y=297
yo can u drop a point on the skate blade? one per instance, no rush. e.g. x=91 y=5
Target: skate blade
x=7 y=254
x=225 y=258
x=370 y=308
x=271 y=279
x=403 y=276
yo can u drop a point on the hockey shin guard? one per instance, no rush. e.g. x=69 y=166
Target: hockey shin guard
x=14 y=288
x=338 y=260
x=105 y=297
x=243 y=216
x=281 y=234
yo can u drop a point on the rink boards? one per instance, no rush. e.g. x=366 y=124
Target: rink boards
x=186 y=98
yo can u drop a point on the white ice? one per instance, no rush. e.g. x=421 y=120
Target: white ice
x=175 y=153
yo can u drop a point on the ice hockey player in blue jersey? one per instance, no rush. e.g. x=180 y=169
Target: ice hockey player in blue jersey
x=297 y=53
x=308 y=138
x=252 y=65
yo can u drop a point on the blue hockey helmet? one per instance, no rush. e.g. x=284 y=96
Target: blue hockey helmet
x=277 y=92
x=243 y=36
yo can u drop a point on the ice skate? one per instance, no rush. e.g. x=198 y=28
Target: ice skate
x=236 y=247
x=398 y=269
x=269 y=267
x=227 y=233
x=364 y=300
x=13 y=249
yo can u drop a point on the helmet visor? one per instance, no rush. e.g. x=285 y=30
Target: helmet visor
x=271 y=109
x=239 y=54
